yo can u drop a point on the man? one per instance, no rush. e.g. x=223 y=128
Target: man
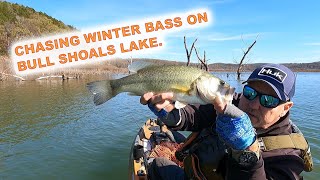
x=226 y=143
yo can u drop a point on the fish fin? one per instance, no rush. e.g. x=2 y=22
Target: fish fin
x=182 y=89
x=132 y=94
x=101 y=90
x=179 y=105
x=138 y=65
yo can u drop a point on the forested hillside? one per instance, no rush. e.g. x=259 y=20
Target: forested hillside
x=18 y=21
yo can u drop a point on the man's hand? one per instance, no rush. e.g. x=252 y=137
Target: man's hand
x=219 y=104
x=236 y=132
x=159 y=104
x=233 y=125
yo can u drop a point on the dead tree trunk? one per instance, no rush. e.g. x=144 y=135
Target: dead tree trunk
x=130 y=62
x=243 y=57
x=203 y=62
x=188 y=53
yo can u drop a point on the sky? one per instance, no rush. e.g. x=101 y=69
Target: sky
x=286 y=31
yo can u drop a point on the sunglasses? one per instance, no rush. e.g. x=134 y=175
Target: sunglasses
x=265 y=100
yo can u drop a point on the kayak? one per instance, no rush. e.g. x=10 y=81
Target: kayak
x=153 y=140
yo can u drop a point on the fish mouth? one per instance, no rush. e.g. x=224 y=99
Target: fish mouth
x=231 y=91
x=228 y=96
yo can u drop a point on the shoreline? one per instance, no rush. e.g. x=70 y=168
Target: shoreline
x=89 y=74
x=119 y=66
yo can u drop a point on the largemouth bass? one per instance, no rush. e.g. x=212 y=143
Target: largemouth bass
x=190 y=85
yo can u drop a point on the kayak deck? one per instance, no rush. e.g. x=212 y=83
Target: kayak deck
x=151 y=141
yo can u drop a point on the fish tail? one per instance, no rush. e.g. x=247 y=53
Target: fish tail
x=102 y=91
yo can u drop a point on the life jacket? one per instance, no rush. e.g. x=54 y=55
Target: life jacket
x=291 y=141
x=199 y=164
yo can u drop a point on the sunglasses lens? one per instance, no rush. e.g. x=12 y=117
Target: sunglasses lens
x=265 y=100
x=249 y=93
x=269 y=101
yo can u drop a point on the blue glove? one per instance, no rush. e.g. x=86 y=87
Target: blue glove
x=159 y=114
x=236 y=132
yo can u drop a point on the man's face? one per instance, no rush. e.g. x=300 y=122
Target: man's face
x=262 y=117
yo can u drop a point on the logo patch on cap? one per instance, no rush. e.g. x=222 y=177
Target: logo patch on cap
x=274 y=73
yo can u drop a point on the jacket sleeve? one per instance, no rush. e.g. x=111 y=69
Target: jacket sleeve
x=276 y=164
x=191 y=118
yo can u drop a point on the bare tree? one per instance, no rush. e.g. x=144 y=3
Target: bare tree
x=130 y=62
x=203 y=62
x=243 y=57
x=188 y=53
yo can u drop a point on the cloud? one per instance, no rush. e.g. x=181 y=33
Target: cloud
x=287 y=59
x=233 y=38
x=316 y=52
x=213 y=36
x=312 y=44
x=176 y=54
x=214 y=2
x=181 y=34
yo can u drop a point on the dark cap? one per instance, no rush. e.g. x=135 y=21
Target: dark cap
x=279 y=77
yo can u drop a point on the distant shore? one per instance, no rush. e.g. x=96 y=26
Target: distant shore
x=119 y=66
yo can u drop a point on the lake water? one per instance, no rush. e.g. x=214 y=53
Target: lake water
x=52 y=129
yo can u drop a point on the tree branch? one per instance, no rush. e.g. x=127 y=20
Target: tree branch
x=203 y=62
x=243 y=57
x=188 y=53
